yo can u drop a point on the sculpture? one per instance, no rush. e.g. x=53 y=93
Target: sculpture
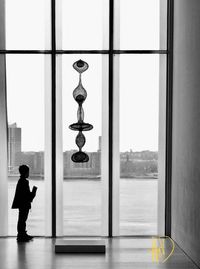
x=80 y=95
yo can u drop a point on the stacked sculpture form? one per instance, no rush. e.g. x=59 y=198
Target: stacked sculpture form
x=80 y=95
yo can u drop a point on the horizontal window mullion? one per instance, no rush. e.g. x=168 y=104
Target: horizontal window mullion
x=83 y=52
x=25 y=52
x=140 y=51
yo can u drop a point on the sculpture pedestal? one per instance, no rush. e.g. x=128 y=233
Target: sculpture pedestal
x=80 y=246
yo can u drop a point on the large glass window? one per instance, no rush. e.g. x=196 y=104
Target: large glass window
x=84 y=24
x=139 y=110
x=25 y=102
x=82 y=181
x=139 y=25
x=123 y=88
x=27 y=24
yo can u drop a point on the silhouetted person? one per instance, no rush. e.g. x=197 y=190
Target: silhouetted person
x=22 y=200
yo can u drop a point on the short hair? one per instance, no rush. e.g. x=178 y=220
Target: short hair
x=23 y=169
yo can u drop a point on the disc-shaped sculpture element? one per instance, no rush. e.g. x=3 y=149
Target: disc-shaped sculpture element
x=80 y=157
x=80 y=66
x=79 y=93
x=81 y=126
x=80 y=140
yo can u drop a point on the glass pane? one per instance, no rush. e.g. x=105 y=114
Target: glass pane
x=138 y=24
x=82 y=181
x=25 y=99
x=139 y=108
x=84 y=24
x=28 y=24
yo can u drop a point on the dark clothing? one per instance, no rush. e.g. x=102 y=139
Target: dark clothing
x=22 y=200
x=23 y=196
x=21 y=225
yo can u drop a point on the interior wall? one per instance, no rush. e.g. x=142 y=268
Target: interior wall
x=186 y=128
x=3 y=130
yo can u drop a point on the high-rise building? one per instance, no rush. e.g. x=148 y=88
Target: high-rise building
x=14 y=145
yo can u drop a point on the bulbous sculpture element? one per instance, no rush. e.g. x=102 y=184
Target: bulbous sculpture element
x=80 y=66
x=80 y=95
x=80 y=140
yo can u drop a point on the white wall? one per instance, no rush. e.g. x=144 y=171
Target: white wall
x=186 y=128
x=3 y=130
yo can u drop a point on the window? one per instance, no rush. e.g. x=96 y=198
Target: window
x=82 y=182
x=125 y=45
x=27 y=24
x=139 y=111
x=25 y=103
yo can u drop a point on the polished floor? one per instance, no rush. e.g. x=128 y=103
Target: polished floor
x=133 y=253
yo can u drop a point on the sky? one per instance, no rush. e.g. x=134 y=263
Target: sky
x=83 y=25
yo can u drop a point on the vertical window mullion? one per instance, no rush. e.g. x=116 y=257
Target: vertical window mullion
x=110 y=133
x=53 y=88
x=170 y=22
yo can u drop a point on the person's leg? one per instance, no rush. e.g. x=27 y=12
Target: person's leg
x=21 y=225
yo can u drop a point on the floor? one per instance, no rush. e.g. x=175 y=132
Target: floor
x=133 y=253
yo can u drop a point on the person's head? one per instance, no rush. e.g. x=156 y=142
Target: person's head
x=24 y=170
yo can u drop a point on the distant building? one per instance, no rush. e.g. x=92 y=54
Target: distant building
x=143 y=163
x=140 y=155
x=35 y=161
x=26 y=158
x=39 y=163
x=14 y=145
x=90 y=168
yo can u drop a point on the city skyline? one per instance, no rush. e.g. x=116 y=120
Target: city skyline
x=132 y=164
x=14 y=125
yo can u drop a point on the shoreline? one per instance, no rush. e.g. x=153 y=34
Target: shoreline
x=41 y=178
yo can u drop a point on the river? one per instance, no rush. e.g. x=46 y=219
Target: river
x=82 y=207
